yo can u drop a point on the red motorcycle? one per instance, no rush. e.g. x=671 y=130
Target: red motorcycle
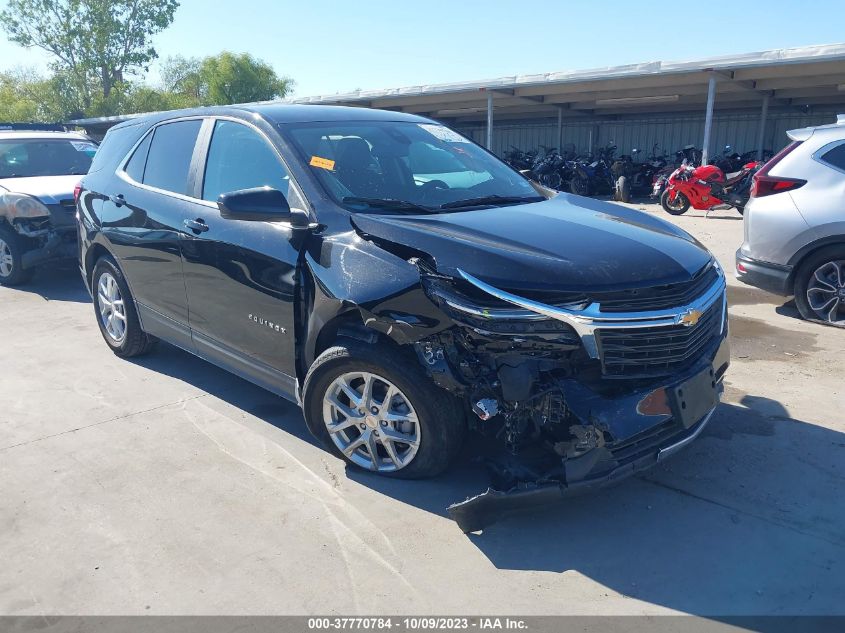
x=706 y=188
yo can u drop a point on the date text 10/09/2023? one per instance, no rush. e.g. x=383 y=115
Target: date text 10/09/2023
x=417 y=623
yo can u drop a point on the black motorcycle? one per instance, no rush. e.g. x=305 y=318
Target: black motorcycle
x=519 y=159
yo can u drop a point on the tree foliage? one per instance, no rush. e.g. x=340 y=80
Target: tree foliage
x=230 y=78
x=96 y=44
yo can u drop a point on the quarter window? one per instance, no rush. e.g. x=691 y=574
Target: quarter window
x=240 y=158
x=169 y=158
x=835 y=156
x=135 y=166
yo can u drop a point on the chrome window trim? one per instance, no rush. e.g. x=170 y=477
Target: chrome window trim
x=585 y=322
x=121 y=169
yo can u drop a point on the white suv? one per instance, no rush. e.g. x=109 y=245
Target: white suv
x=39 y=170
x=794 y=241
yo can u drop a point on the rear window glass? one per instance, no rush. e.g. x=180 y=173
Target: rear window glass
x=116 y=143
x=835 y=156
x=169 y=158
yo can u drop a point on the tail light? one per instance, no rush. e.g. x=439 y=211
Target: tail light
x=76 y=191
x=765 y=185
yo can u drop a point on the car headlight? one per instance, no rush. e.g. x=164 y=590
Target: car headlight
x=20 y=205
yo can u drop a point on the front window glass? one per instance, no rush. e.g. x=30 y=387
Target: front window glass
x=239 y=158
x=423 y=166
x=23 y=158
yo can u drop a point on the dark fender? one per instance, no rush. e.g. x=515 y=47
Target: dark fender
x=353 y=281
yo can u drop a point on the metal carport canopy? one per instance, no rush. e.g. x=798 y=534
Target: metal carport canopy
x=796 y=78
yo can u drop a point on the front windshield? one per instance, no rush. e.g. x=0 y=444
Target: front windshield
x=23 y=158
x=388 y=165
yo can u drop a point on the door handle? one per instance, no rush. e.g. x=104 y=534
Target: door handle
x=118 y=200
x=197 y=226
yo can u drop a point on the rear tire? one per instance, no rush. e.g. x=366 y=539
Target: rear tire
x=679 y=206
x=623 y=189
x=816 y=284
x=12 y=272
x=431 y=418
x=115 y=311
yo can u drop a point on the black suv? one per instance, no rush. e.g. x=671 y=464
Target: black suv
x=403 y=285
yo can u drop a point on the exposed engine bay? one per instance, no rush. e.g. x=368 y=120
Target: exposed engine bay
x=529 y=380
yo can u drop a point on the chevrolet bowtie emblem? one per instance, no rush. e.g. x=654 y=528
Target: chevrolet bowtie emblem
x=690 y=317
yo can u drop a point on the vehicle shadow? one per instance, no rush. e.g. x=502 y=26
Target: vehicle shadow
x=747 y=520
x=57 y=282
x=268 y=407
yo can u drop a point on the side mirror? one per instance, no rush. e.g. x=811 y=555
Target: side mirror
x=260 y=204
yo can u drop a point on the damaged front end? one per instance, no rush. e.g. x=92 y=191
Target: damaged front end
x=47 y=229
x=582 y=389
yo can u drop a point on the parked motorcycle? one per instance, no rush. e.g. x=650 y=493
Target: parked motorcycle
x=706 y=188
x=519 y=159
x=550 y=170
x=591 y=177
x=635 y=178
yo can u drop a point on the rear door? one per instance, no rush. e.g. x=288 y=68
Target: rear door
x=143 y=217
x=241 y=275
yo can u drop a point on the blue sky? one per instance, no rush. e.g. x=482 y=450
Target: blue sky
x=330 y=47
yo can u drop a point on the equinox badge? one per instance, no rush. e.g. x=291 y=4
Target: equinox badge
x=273 y=326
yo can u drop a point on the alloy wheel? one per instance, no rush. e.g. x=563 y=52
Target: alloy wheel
x=7 y=263
x=826 y=292
x=112 y=308
x=371 y=421
x=677 y=204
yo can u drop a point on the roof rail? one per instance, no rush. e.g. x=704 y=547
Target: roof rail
x=33 y=127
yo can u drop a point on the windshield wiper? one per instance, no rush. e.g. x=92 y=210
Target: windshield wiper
x=490 y=200
x=387 y=203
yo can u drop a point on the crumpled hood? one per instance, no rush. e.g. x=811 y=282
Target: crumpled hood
x=566 y=243
x=48 y=189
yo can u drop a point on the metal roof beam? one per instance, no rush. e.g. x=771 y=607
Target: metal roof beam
x=511 y=92
x=751 y=86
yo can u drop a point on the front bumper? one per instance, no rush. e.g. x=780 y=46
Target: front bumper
x=479 y=512
x=764 y=275
x=647 y=429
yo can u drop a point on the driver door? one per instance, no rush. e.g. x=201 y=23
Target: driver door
x=240 y=275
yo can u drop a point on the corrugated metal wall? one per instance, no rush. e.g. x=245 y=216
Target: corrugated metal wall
x=669 y=133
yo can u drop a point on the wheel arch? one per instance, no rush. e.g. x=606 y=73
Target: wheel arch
x=807 y=251
x=92 y=255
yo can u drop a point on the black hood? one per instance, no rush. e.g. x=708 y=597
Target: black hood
x=566 y=243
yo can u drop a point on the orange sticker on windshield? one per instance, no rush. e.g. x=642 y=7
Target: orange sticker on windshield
x=322 y=163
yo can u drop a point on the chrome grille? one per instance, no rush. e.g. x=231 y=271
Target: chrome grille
x=650 y=351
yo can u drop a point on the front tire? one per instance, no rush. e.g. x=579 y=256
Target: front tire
x=820 y=286
x=678 y=206
x=376 y=408
x=115 y=310
x=12 y=272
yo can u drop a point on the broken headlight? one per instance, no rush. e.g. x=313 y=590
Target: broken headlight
x=490 y=316
x=21 y=206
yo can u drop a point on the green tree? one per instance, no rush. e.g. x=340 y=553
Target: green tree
x=95 y=43
x=27 y=96
x=181 y=76
x=231 y=78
